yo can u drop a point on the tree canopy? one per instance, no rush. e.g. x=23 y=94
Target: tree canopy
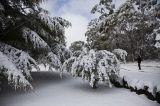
x=129 y=27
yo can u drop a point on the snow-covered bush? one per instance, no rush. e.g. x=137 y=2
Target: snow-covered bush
x=120 y=54
x=148 y=88
x=94 y=66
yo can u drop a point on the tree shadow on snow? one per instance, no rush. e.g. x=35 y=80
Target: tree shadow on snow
x=41 y=79
x=85 y=87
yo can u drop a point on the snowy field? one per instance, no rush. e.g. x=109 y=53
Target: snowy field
x=148 y=66
x=51 y=90
x=150 y=71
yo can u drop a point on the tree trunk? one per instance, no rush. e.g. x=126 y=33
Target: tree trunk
x=95 y=84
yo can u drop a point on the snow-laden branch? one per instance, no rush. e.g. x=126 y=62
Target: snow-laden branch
x=56 y=24
x=13 y=74
x=120 y=54
x=61 y=51
x=156 y=32
x=53 y=61
x=20 y=59
x=34 y=38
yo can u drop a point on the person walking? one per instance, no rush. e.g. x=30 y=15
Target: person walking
x=139 y=59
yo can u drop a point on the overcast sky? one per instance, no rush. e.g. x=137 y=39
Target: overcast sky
x=75 y=11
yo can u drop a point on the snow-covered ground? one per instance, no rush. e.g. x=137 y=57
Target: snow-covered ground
x=149 y=66
x=51 y=90
x=150 y=71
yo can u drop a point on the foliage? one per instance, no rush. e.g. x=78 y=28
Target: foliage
x=94 y=66
x=129 y=27
x=120 y=54
x=27 y=36
x=156 y=35
x=13 y=74
x=78 y=47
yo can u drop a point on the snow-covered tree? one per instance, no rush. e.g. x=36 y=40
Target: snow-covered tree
x=156 y=40
x=78 y=47
x=105 y=8
x=128 y=27
x=61 y=51
x=156 y=35
x=27 y=36
x=97 y=32
x=120 y=54
x=94 y=66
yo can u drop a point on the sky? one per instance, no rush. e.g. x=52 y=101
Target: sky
x=75 y=11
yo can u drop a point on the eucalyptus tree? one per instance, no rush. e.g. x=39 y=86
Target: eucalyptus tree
x=129 y=27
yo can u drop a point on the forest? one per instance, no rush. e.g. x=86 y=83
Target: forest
x=31 y=38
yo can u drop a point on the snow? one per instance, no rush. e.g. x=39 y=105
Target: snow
x=51 y=90
x=21 y=59
x=148 y=76
x=157 y=45
x=13 y=75
x=43 y=67
x=47 y=20
x=149 y=66
x=93 y=66
x=55 y=24
x=1 y=7
x=61 y=51
x=121 y=55
x=157 y=37
x=52 y=63
x=34 y=38
x=54 y=60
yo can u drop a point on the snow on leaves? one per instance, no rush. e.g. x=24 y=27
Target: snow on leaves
x=53 y=60
x=157 y=45
x=94 y=66
x=156 y=35
x=120 y=54
x=34 y=38
x=1 y=7
x=13 y=74
x=78 y=47
x=56 y=24
x=61 y=51
x=20 y=59
x=38 y=31
x=105 y=6
x=47 y=20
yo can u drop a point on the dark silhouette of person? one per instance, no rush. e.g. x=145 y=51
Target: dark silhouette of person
x=139 y=59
